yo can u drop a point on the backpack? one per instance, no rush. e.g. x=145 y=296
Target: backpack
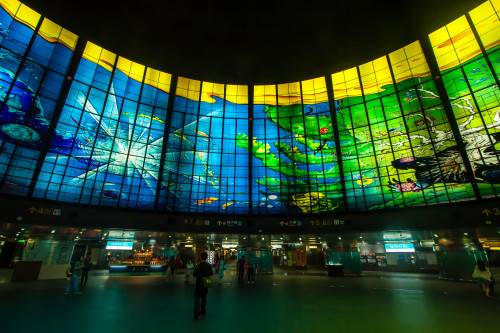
x=69 y=272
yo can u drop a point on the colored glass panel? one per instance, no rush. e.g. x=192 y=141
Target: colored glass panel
x=474 y=96
x=32 y=72
x=295 y=167
x=108 y=141
x=206 y=165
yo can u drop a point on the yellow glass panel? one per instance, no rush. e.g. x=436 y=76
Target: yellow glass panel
x=188 y=88
x=314 y=91
x=346 y=83
x=409 y=62
x=496 y=5
x=11 y=6
x=211 y=90
x=487 y=24
x=99 y=56
x=482 y=12
x=289 y=93
x=237 y=94
x=131 y=69
x=375 y=75
x=454 y=44
x=158 y=79
x=27 y=16
x=54 y=33
x=264 y=94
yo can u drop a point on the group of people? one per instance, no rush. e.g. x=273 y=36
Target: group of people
x=246 y=265
x=77 y=269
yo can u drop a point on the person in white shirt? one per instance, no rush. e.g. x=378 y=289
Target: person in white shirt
x=483 y=275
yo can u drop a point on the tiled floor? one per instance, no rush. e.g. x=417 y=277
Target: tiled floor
x=389 y=302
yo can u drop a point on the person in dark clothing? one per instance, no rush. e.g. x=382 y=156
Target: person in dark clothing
x=87 y=263
x=203 y=269
x=241 y=268
x=251 y=265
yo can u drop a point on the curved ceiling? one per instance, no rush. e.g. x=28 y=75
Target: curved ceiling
x=252 y=42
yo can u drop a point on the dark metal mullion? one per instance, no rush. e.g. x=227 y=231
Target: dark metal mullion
x=432 y=141
x=166 y=132
x=430 y=138
x=336 y=136
x=21 y=63
x=436 y=74
x=403 y=118
x=279 y=144
x=98 y=124
x=65 y=89
x=490 y=66
x=196 y=142
x=369 y=129
x=250 y=97
x=222 y=146
x=132 y=136
x=483 y=49
x=305 y=144
x=388 y=133
x=477 y=108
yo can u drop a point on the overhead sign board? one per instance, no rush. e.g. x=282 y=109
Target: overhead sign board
x=119 y=245
x=408 y=247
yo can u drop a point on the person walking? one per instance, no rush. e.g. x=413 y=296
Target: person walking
x=203 y=269
x=241 y=268
x=484 y=277
x=171 y=264
x=221 y=268
x=178 y=262
x=75 y=270
x=87 y=263
x=189 y=269
x=251 y=265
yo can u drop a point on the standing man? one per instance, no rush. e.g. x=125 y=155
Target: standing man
x=203 y=269
x=241 y=268
x=251 y=265
x=87 y=263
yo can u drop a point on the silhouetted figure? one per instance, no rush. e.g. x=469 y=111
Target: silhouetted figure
x=241 y=268
x=87 y=264
x=203 y=269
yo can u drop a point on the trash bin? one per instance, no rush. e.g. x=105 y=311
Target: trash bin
x=335 y=270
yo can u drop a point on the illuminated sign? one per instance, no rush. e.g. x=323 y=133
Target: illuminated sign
x=399 y=248
x=119 y=245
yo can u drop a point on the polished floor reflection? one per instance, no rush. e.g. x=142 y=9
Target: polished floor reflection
x=297 y=301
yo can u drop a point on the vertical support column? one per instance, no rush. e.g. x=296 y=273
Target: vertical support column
x=436 y=75
x=250 y=147
x=70 y=74
x=336 y=135
x=170 y=107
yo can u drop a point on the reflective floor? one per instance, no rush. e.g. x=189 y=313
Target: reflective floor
x=389 y=302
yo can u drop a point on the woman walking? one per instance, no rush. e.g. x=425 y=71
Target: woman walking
x=484 y=277
x=189 y=269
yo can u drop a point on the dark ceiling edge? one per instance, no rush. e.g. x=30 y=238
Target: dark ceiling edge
x=38 y=6
x=473 y=214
